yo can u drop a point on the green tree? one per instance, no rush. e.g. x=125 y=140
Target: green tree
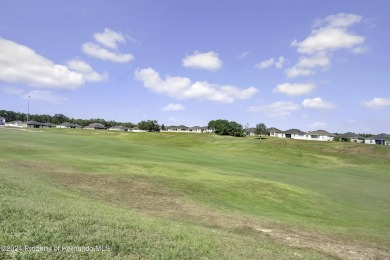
x=149 y=125
x=260 y=130
x=224 y=127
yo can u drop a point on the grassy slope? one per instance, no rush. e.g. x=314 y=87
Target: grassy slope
x=188 y=195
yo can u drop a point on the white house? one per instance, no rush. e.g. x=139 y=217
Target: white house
x=272 y=131
x=382 y=139
x=294 y=134
x=352 y=137
x=68 y=125
x=136 y=130
x=14 y=123
x=118 y=128
x=320 y=135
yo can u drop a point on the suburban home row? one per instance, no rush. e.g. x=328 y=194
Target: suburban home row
x=319 y=135
x=186 y=129
x=322 y=135
x=96 y=126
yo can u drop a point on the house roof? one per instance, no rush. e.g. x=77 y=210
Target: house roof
x=274 y=129
x=250 y=130
x=49 y=124
x=294 y=131
x=381 y=136
x=34 y=123
x=67 y=124
x=351 y=135
x=96 y=125
x=119 y=127
x=320 y=132
x=1 y=118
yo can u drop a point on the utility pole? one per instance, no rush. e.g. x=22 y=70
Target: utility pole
x=28 y=108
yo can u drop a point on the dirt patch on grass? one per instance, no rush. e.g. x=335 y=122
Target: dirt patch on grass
x=137 y=193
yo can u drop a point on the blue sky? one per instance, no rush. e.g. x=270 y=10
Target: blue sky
x=291 y=64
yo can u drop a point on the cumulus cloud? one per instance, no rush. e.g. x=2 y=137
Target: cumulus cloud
x=184 y=88
x=109 y=38
x=265 y=64
x=328 y=35
x=307 y=64
x=332 y=34
x=318 y=103
x=21 y=64
x=99 y=52
x=376 y=103
x=86 y=70
x=268 y=63
x=10 y=90
x=45 y=96
x=173 y=107
x=295 y=89
x=198 y=60
x=279 y=109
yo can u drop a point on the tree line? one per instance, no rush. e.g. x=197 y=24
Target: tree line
x=219 y=126
x=59 y=119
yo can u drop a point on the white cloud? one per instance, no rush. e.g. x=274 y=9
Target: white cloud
x=45 y=96
x=328 y=39
x=243 y=55
x=340 y=20
x=268 y=63
x=99 y=52
x=265 y=64
x=318 y=103
x=279 y=109
x=86 y=70
x=295 y=89
x=280 y=62
x=184 y=88
x=328 y=35
x=297 y=71
x=173 y=107
x=208 y=60
x=306 y=65
x=377 y=103
x=109 y=38
x=11 y=91
x=20 y=64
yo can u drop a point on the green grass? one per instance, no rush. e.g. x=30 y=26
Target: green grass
x=192 y=196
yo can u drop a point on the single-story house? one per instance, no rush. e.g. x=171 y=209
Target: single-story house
x=352 y=137
x=49 y=125
x=186 y=129
x=250 y=131
x=382 y=139
x=320 y=135
x=197 y=129
x=95 y=126
x=68 y=125
x=273 y=131
x=180 y=128
x=2 y=120
x=14 y=123
x=294 y=134
x=118 y=128
x=32 y=124
x=136 y=130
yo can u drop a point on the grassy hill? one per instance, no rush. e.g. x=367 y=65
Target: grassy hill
x=191 y=196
